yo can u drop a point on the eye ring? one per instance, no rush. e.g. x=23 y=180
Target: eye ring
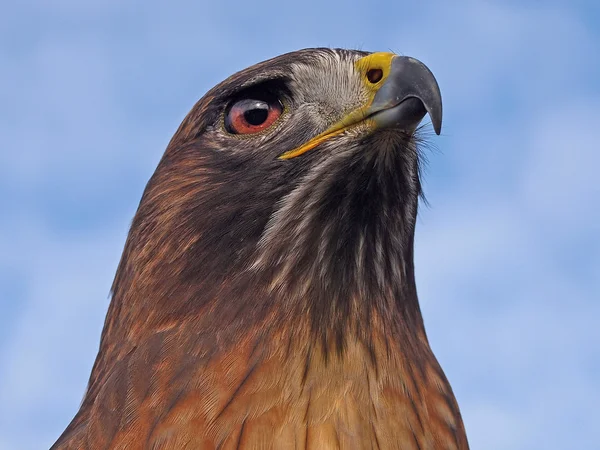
x=252 y=114
x=374 y=75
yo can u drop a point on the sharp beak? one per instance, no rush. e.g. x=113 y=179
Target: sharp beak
x=407 y=94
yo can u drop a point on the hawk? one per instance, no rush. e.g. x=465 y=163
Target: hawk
x=266 y=294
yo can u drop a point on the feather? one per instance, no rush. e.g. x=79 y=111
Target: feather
x=271 y=304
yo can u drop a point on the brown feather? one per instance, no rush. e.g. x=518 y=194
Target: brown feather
x=202 y=351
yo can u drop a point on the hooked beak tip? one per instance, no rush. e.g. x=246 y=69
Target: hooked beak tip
x=394 y=104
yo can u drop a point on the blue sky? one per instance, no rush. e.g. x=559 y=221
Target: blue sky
x=508 y=255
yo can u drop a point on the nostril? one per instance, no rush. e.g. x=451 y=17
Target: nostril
x=374 y=75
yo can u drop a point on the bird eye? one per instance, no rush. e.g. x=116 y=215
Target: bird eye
x=252 y=115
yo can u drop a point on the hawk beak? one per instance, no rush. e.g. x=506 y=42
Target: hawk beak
x=408 y=92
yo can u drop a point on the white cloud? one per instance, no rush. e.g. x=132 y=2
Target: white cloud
x=509 y=293
x=561 y=172
x=55 y=333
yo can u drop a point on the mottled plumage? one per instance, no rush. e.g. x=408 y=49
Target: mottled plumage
x=270 y=303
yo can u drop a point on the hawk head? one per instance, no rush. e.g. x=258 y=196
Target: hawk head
x=289 y=190
x=266 y=293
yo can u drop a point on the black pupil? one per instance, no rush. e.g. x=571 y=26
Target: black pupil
x=256 y=112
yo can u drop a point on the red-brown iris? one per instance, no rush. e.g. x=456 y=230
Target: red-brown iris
x=252 y=115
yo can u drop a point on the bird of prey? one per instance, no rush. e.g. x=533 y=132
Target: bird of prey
x=266 y=294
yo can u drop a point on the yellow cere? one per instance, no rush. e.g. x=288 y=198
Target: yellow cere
x=381 y=61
